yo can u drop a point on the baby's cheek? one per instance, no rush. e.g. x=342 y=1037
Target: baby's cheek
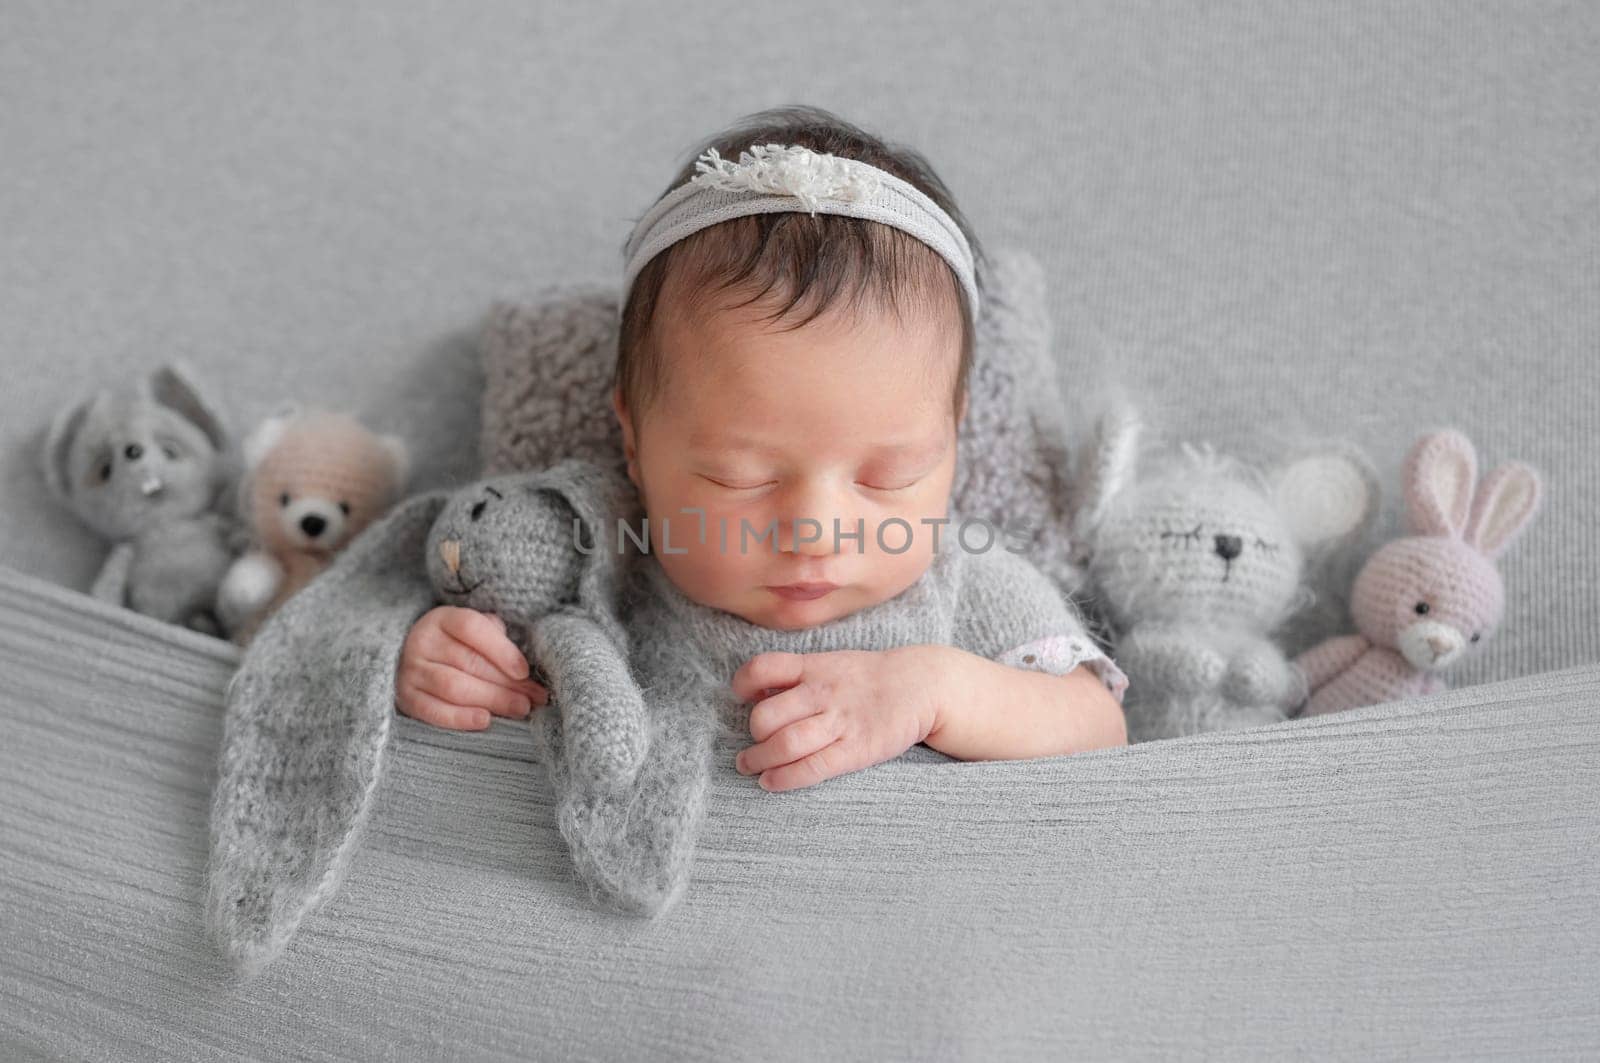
x=702 y=570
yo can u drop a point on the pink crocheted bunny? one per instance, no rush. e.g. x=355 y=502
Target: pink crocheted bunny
x=1421 y=601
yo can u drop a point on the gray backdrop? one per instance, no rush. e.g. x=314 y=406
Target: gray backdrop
x=1352 y=219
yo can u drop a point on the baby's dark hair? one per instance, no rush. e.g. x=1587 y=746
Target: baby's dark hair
x=800 y=257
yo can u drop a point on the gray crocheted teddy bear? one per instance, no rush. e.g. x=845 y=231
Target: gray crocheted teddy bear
x=147 y=467
x=515 y=546
x=1196 y=565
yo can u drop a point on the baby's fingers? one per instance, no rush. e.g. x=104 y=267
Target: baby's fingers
x=484 y=637
x=458 y=688
x=825 y=763
x=429 y=709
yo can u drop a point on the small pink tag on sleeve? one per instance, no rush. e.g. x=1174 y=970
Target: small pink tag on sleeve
x=1060 y=654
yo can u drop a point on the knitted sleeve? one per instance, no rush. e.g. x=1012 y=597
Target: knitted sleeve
x=1010 y=612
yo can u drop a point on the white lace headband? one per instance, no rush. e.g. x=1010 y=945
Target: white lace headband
x=774 y=177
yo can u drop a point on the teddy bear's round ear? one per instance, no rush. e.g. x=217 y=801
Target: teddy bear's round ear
x=400 y=457
x=259 y=443
x=1326 y=497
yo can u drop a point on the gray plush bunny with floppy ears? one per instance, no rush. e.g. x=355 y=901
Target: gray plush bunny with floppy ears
x=310 y=711
x=515 y=546
x=1197 y=564
x=147 y=467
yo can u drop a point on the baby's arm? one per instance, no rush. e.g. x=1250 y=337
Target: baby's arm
x=1031 y=682
x=994 y=711
x=459 y=669
x=818 y=715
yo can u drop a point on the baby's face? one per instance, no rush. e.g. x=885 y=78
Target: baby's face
x=773 y=436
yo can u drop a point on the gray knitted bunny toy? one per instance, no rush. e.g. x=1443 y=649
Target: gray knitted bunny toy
x=1198 y=563
x=511 y=546
x=309 y=713
x=146 y=467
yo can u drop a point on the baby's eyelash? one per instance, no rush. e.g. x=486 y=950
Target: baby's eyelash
x=1191 y=536
x=736 y=487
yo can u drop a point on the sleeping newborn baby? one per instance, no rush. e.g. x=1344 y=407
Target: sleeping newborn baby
x=806 y=602
x=789 y=387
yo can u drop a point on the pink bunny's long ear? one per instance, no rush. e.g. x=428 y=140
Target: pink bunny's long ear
x=1504 y=506
x=1441 y=473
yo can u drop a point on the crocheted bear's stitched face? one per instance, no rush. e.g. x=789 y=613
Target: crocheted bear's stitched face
x=501 y=546
x=1197 y=545
x=317 y=479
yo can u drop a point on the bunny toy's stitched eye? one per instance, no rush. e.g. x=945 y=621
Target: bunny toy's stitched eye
x=477 y=509
x=1262 y=544
x=344 y=507
x=1476 y=635
x=1187 y=537
x=105 y=471
x=1423 y=608
x=283 y=500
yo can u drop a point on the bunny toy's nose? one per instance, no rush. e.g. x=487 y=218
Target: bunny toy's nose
x=450 y=554
x=1441 y=644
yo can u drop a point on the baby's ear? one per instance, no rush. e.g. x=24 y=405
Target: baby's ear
x=1327 y=497
x=629 y=445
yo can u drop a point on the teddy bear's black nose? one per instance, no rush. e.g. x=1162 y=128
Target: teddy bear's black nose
x=1229 y=546
x=312 y=524
x=133 y=451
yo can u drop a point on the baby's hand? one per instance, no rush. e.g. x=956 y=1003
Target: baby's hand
x=833 y=712
x=458 y=669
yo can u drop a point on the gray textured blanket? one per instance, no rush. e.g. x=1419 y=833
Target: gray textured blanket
x=1416 y=879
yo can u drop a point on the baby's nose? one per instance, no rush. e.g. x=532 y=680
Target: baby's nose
x=450 y=554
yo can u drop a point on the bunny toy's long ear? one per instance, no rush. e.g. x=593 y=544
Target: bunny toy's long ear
x=1106 y=467
x=1440 y=475
x=1504 y=505
x=56 y=451
x=600 y=495
x=175 y=386
x=307 y=724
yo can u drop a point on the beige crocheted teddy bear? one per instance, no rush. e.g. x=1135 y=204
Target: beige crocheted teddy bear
x=313 y=481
